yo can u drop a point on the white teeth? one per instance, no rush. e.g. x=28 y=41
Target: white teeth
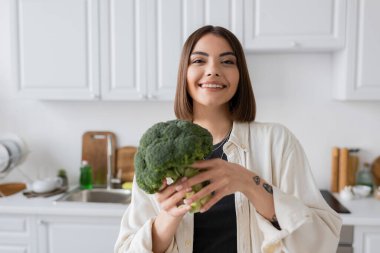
x=211 y=85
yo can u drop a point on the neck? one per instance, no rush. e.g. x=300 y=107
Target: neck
x=217 y=121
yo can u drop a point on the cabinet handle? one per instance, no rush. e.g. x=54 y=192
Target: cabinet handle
x=41 y=222
x=96 y=96
x=296 y=44
x=150 y=96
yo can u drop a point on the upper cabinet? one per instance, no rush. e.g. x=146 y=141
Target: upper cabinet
x=294 y=25
x=55 y=48
x=169 y=23
x=130 y=49
x=356 y=73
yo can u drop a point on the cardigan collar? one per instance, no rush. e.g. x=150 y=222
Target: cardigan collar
x=239 y=136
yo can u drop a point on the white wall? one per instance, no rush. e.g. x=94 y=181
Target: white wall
x=292 y=89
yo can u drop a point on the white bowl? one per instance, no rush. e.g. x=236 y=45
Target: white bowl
x=361 y=190
x=46 y=185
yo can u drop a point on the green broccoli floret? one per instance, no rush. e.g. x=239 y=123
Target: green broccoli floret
x=167 y=150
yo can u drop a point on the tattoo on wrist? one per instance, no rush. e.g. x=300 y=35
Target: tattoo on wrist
x=256 y=179
x=274 y=222
x=268 y=188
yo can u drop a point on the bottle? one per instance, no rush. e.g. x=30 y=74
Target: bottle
x=85 y=180
x=62 y=174
x=364 y=176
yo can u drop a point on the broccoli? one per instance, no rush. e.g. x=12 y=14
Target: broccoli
x=166 y=151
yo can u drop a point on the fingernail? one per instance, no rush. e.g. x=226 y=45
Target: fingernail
x=188 y=208
x=189 y=189
x=202 y=210
x=187 y=201
x=178 y=187
x=183 y=179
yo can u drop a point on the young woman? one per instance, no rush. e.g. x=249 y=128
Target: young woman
x=264 y=198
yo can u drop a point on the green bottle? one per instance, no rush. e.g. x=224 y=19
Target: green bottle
x=85 y=180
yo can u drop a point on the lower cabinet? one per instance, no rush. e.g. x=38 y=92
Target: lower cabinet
x=60 y=234
x=57 y=233
x=17 y=234
x=366 y=239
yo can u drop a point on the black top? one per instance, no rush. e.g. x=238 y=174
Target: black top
x=215 y=230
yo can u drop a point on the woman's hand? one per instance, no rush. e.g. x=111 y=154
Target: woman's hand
x=225 y=178
x=170 y=198
x=172 y=211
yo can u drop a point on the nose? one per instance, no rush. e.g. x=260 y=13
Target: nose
x=212 y=69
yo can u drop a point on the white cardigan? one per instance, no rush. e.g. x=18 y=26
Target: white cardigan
x=270 y=150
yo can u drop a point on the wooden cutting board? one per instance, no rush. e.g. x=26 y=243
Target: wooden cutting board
x=94 y=151
x=376 y=171
x=7 y=189
x=125 y=163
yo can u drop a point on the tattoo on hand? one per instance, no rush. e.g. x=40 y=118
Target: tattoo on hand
x=256 y=179
x=268 y=188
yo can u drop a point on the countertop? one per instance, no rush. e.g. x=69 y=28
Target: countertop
x=365 y=211
x=19 y=204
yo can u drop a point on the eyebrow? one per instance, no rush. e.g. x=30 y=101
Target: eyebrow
x=206 y=54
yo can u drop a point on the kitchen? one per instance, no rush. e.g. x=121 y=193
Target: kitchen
x=296 y=85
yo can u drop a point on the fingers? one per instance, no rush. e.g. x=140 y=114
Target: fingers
x=169 y=190
x=171 y=202
x=218 y=196
x=204 y=164
x=207 y=190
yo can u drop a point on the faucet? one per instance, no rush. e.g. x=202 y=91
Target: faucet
x=109 y=162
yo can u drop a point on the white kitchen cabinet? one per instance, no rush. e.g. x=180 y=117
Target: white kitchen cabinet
x=55 y=50
x=123 y=56
x=77 y=234
x=130 y=50
x=25 y=233
x=169 y=23
x=356 y=74
x=367 y=239
x=294 y=25
x=17 y=234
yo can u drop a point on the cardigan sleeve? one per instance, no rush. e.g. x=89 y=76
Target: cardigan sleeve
x=136 y=225
x=306 y=221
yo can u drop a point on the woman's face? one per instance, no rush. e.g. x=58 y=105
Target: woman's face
x=212 y=75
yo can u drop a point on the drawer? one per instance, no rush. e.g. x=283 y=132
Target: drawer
x=11 y=225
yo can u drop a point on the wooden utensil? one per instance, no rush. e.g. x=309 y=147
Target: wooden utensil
x=375 y=168
x=334 y=187
x=94 y=151
x=7 y=189
x=125 y=162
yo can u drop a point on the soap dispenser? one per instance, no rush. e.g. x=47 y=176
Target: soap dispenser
x=85 y=180
x=364 y=176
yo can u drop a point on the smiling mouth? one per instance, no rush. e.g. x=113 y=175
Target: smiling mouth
x=212 y=85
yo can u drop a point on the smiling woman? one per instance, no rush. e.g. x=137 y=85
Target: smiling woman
x=264 y=198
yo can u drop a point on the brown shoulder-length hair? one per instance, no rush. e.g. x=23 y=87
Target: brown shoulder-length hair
x=242 y=105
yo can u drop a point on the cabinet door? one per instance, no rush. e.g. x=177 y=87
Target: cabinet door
x=17 y=234
x=367 y=239
x=55 y=48
x=123 y=61
x=356 y=74
x=62 y=234
x=169 y=23
x=294 y=25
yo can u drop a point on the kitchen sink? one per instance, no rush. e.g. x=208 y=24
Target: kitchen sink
x=119 y=196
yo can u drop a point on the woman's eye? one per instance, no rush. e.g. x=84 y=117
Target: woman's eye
x=228 y=62
x=197 y=61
